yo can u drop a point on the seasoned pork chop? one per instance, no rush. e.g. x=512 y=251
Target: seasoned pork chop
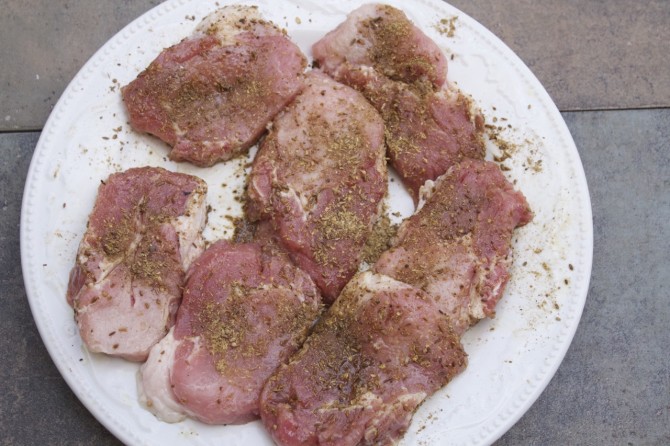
x=430 y=125
x=427 y=131
x=144 y=231
x=457 y=246
x=211 y=96
x=382 y=37
x=379 y=351
x=245 y=310
x=320 y=176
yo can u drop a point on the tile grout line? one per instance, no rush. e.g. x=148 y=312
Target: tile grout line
x=568 y=110
x=26 y=130
x=606 y=109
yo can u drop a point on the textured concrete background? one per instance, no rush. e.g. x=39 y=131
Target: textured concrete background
x=613 y=386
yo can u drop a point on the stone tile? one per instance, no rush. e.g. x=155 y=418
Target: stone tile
x=36 y=405
x=44 y=44
x=612 y=387
x=588 y=54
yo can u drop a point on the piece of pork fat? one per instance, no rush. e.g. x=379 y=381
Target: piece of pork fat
x=320 y=177
x=143 y=233
x=430 y=125
x=379 y=351
x=246 y=309
x=457 y=246
x=212 y=95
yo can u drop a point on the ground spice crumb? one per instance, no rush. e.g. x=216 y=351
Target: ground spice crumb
x=380 y=239
x=447 y=27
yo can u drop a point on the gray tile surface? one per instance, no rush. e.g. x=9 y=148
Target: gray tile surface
x=613 y=386
x=44 y=44
x=588 y=54
x=36 y=406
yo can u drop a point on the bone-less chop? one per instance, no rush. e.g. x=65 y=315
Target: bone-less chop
x=320 y=177
x=211 y=96
x=142 y=235
x=430 y=125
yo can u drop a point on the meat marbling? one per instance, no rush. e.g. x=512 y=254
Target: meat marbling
x=143 y=233
x=211 y=96
x=457 y=246
x=379 y=351
x=320 y=176
x=245 y=309
x=430 y=125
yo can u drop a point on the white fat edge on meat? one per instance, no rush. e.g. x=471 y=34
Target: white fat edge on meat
x=177 y=130
x=476 y=302
x=189 y=227
x=451 y=94
x=227 y=22
x=153 y=382
x=371 y=283
x=289 y=291
x=340 y=43
x=372 y=401
x=209 y=145
x=105 y=265
x=254 y=185
x=476 y=307
x=407 y=400
x=293 y=196
x=426 y=191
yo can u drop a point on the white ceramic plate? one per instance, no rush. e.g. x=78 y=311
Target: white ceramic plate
x=512 y=358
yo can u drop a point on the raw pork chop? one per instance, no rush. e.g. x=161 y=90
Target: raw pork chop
x=379 y=351
x=143 y=233
x=430 y=125
x=320 y=176
x=245 y=310
x=457 y=246
x=427 y=131
x=382 y=38
x=211 y=96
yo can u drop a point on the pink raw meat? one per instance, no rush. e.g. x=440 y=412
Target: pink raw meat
x=212 y=95
x=320 y=177
x=143 y=232
x=457 y=246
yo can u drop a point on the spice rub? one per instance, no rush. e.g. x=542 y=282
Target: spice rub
x=430 y=125
x=211 y=96
x=143 y=232
x=457 y=246
x=378 y=352
x=245 y=310
x=320 y=177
